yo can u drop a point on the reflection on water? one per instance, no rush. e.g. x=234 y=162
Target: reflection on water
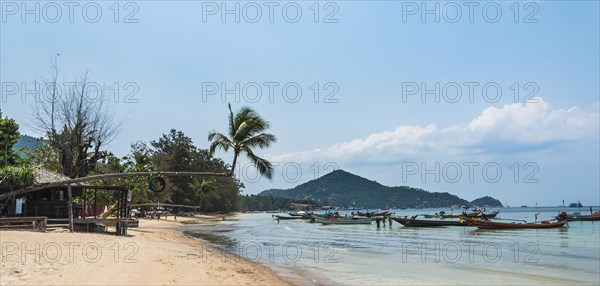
x=391 y=255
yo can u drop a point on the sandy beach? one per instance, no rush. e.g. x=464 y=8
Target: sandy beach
x=153 y=254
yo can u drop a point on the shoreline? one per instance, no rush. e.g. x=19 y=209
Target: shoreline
x=294 y=275
x=156 y=253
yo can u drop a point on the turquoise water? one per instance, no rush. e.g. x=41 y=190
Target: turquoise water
x=392 y=255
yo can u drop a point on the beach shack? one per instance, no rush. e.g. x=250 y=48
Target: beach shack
x=50 y=200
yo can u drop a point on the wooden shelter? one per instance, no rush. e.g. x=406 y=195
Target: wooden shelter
x=53 y=199
x=52 y=195
x=51 y=202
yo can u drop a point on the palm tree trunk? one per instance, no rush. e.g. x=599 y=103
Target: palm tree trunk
x=235 y=156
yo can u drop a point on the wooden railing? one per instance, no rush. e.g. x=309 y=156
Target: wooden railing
x=36 y=223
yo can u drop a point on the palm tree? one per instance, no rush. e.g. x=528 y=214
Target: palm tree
x=245 y=133
x=202 y=188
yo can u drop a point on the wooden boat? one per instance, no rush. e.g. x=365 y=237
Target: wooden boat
x=286 y=217
x=473 y=214
x=325 y=216
x=344 y=220
x=300 y=213
x=372 y=214
x=575 y=217
x=492 y=214
x=408 y=222
x=486 y=224
x=431 y=215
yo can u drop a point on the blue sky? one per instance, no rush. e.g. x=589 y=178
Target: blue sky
x=366 y=119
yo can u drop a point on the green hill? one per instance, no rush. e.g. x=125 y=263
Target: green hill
x=24 y=143
x=343 y=189
x=486 y=202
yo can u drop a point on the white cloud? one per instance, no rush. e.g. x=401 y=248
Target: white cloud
x=528 y=124
x=533 y=123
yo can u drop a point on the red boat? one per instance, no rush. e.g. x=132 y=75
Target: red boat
x=486 y=224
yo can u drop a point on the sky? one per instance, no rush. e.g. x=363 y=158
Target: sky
x=472 y=98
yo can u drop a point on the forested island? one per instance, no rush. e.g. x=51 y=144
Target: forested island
x=343 y=189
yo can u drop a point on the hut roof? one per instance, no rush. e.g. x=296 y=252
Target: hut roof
x=44 y=176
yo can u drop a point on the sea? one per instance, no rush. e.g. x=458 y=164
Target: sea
x=316 y=254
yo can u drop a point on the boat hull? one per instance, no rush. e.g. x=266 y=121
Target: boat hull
x=428 y=223
x=286 y=217
x=473 y=214
x=343 y=221
x=594 y=217
x=484 y=224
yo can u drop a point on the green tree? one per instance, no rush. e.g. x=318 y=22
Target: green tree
x=225 y=198
x=139 y=159
x=14 y=177
x=245 y=133
x=202 y=187
x=9 y=134
x=175 y=151
x=44 y=155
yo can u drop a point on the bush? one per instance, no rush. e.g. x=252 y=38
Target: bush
x=15 y=177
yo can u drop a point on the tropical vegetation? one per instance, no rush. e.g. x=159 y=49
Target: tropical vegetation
x=172 y=151
x=9 y=135
x=245 y=133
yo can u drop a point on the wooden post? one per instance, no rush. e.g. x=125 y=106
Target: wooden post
x=95 y=202
x=70 y=195
x=119 y=213
x=84 y=204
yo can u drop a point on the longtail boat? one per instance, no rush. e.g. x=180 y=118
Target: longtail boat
x=575 y=217
x=486 y=224
x=323 y=216
x=286 y=217
x=408 y=222
x=479 y=213
x=431 y=215
x=491 y=215
x=373 y=214
x=344 y=220
x=473 y=214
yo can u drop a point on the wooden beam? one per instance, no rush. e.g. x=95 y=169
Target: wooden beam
x=70 y=194
x=109 y=176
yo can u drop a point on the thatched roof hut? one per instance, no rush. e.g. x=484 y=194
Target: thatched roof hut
x=44 y=176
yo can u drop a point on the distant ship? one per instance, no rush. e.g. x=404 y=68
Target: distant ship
x=575 y=205
x=524 y=206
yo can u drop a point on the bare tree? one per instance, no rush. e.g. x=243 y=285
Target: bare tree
x=76 y=119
